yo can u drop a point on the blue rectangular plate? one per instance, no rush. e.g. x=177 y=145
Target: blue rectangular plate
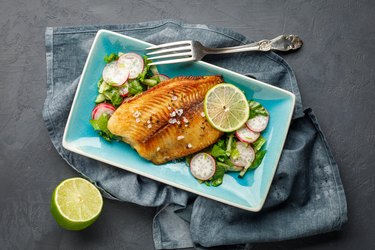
x=248 y=193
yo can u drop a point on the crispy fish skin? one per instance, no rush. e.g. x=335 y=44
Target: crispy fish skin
x=153 y=122
x=176 y=140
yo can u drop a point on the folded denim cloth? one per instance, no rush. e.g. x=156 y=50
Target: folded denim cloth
x=306 y=196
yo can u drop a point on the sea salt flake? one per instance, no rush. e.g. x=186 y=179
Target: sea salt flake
x=179 y=112
x=136 y=114
x=172 y=121
x=169 y=108
x=174 y=98
x=158 y=149
x=137 y=120
x=173 y=114
x=203 y=114
x=185 y=120
x=178 y=122
x=180 y=137
x=149 y=126
x=189 y=145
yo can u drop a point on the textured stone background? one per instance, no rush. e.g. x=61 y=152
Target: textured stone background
x=335 y=71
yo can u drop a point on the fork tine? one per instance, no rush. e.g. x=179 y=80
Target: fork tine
x=187 y=59
x=171 y=55
x=162 y=51
x=168 y=45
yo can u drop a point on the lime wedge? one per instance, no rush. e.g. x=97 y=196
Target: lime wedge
x=76 y=204
x=226 y=107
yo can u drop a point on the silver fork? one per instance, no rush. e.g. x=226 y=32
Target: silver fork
x=185 y=51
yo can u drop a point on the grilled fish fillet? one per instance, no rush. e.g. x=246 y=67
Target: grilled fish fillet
x=167 y=122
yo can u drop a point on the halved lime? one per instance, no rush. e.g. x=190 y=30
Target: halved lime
x=76 y=204
x=226 y=107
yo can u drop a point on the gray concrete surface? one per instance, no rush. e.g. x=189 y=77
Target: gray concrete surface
x=335 y=71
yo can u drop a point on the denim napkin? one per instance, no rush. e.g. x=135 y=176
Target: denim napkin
x=306 y=196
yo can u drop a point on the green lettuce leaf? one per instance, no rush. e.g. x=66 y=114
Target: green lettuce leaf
x=258 y=144
x=146 y=70
x=229 y=143
x=218 y=152
x=103 y=86
x=256 y=109
x=100 y=125
x=135 y=87
x=113 y=95
x=218 y=177
x=110 y=58
x=234 y=153
x=257 y=161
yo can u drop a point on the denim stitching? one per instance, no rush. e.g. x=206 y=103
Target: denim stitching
x=313 y=118
x=153 y=27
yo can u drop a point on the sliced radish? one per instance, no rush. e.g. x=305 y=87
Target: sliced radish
x=258 y=123
x=124 y=89
x=161 y=77
x=246 y=135
x=202 y=166
x=115 y=74
x=133 y=62
x=102 y=108
x=246 y=157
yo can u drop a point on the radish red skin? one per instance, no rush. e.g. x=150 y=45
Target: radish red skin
x=121 y=92
x=102 y=106
x=108 y=72
x=131 y=54
x=243 y=139
x=164 y=77
x=120 y=85
x=214 y=167
x=252 y=152
x=260 y=129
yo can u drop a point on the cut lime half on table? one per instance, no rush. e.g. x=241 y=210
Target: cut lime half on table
x=76 y=204
x=226 y=107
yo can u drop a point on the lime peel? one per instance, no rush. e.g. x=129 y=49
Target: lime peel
x=226 y=107
x=76 y=197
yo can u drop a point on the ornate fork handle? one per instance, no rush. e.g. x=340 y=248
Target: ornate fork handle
x=187 y=51
x=280 y=43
